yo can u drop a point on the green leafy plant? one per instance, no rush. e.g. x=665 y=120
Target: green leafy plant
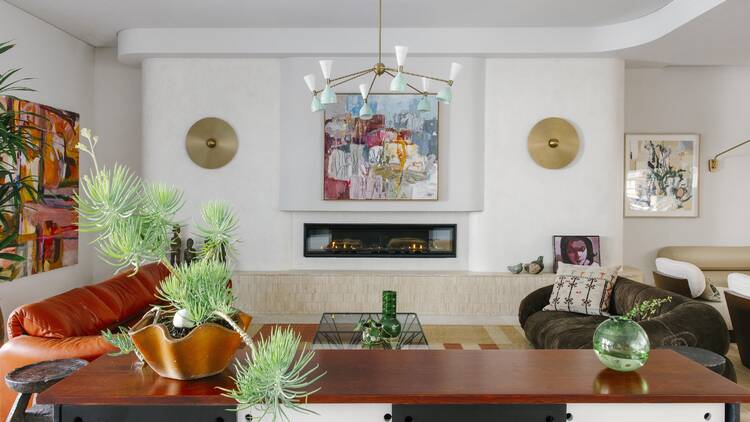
x=16 y=141
x=134 y=220
x=121 y=340
x=272 y=379
x=647 y=309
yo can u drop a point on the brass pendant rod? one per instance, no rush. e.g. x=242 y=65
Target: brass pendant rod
x=358 y=75
x=409 y=85
x=421 y=76
x=380 y=31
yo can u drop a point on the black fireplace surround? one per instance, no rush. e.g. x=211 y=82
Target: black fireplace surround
x=380 y=240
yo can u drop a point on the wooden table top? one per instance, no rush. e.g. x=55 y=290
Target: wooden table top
x=425 y=376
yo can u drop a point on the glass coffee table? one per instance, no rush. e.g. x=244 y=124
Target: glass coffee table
x=336 y=331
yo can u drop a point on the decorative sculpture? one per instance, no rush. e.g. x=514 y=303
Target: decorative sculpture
x=535 y=267
x=189 y=251
x=175 y=255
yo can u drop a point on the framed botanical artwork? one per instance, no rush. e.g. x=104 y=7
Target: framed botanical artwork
x=577 y=250
x=392 y=156
x=661 y=175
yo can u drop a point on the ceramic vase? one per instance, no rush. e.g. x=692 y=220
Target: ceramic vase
x=207 y=350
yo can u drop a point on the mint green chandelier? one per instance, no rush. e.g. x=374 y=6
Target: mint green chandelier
x=399 y=83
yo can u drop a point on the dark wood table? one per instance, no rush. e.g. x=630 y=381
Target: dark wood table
x=370 y=384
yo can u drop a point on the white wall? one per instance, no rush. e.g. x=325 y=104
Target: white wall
x=117 y=120
x=63 y=68
x=713 y=102
x=525 y=204
x=245 y=93
x=460 y=145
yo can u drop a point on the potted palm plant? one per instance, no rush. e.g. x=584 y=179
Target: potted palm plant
x=15 y=142
x=195 y=330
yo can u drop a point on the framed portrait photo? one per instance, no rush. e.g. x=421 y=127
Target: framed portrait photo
x=577 y=250
x=661 y=175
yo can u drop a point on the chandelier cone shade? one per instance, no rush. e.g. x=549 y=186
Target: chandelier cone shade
x=398 y=83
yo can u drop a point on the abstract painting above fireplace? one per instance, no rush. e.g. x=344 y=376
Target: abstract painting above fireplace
x=393 y=156
x=380 y=240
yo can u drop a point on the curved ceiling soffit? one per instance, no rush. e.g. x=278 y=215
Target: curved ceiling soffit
x=136 y=44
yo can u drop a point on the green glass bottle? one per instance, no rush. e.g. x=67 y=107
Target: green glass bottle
x=621 y=344
x=391 y=325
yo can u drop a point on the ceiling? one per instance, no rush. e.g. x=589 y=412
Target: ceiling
x=97 y=22
x=721 y=36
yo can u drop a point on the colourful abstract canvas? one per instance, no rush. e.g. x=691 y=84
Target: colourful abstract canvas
x=393 y=156
x=48 y=227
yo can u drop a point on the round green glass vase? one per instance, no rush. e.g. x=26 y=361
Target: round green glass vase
x=621 y=344
x=391 y=324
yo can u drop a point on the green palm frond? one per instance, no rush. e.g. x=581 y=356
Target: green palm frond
x=16 y=141
x=272 y=378
x=218 y=230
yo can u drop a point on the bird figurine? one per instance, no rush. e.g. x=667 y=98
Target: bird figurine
x=516 y=269
x=535 y=267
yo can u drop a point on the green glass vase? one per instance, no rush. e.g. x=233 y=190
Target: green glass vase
x=621 y=344
x=391 y=325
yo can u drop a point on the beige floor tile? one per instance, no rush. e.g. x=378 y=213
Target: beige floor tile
x=457 y=334
x=497 y=334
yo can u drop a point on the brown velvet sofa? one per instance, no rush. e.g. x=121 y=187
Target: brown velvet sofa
x=684 y=321
x=68 y=325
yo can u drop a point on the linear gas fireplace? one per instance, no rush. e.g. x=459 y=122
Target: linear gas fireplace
x=380 y=240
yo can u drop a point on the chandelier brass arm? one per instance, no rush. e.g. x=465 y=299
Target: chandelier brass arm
x=419 y=75
x=351 y=77
x=361 y=72
x=408 y=84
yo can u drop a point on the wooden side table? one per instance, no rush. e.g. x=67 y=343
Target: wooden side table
x=35 y=378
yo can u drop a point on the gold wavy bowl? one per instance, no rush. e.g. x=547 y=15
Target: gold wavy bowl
x=207 y=350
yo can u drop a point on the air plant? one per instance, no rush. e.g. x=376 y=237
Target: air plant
x=260 y=384
x=133 y=220
x=121 y=339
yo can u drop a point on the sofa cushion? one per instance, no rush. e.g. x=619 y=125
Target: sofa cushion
x=561 y=330
x=77 y=312
x=124 y=294
x=582 y=289
x=87 y=310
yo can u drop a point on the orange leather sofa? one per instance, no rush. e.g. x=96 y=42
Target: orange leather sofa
x=68 y=325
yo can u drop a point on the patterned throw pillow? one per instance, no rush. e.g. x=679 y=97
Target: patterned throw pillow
x=583 y=290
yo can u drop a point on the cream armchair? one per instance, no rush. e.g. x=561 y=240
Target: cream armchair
x=715 y=262
x=738 y=302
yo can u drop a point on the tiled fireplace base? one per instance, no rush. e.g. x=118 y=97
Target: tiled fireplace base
x=438 y=298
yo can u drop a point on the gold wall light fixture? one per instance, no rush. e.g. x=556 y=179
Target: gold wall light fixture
x=713 y=164
x=211 y=143
x=553 y=143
